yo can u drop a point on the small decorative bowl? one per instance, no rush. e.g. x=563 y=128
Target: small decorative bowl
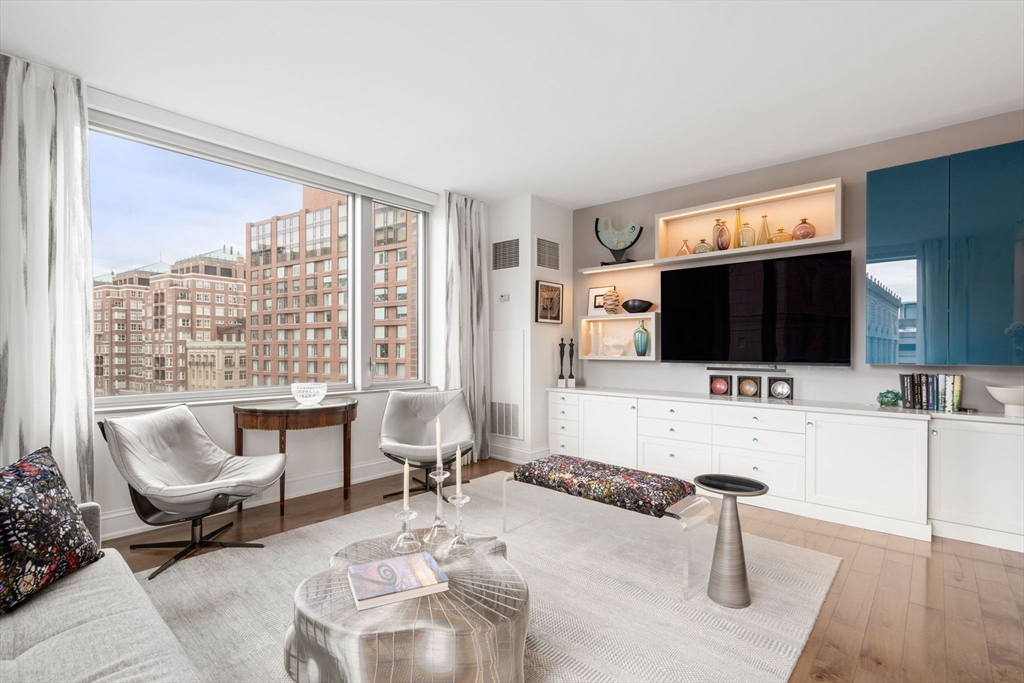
x=309 y=393
x=615 y=346
x=637 y=306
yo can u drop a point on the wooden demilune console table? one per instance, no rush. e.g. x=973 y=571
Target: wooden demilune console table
x=285 y=415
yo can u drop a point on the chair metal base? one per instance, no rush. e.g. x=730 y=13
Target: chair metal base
x=197 y=541
x=423 y=486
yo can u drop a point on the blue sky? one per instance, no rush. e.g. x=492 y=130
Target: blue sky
x=148 y=202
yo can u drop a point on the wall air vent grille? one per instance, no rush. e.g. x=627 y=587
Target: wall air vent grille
x=505 y=419
x=505 y=254
x=547 y=254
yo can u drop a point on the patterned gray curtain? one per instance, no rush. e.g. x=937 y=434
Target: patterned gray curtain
x=467 y=330
x=46 y=348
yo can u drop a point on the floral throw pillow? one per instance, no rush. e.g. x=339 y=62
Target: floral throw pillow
x=42 y=535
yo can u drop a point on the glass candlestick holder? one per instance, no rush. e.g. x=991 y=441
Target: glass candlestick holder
x=439 y=531
x=406 y=541
x=458 y=546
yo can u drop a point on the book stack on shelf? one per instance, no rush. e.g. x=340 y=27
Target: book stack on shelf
x=394 y=579
x=938 y=393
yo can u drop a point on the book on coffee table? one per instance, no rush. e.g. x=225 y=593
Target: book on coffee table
x=394 y=579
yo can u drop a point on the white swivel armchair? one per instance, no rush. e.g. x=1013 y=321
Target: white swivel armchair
x=176 y=473
x=408 y=431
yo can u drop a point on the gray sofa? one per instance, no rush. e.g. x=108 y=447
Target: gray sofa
x=94 y=624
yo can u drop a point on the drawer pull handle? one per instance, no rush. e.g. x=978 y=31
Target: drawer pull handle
x=562 y=412
x=563 y=445
x=755 y=468
x=671 y=455
x=561 y=398
x=810 y=424
x=754 y=418
x=671 y=429
x=562 y=427
x=755 y=438
x=671 y=410
x=632 y=407
x=935 y=431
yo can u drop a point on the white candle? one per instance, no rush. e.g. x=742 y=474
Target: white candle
x=439 y=463
x=458 y=471
x=405 y=486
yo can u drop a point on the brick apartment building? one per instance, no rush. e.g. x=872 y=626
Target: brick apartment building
x=299 y=294
x=145 y=318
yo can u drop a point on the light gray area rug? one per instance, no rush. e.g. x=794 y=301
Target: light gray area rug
x=605 y=596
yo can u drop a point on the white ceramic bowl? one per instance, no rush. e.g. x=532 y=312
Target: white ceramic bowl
x=615 y=346
x=1012 y=399
x=309 y=393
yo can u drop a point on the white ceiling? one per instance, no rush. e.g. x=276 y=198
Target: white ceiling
x=577 y=102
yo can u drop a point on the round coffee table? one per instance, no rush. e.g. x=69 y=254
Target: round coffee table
x=474 y=631
x=728 y=583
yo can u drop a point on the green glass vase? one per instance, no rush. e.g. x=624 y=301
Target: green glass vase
x=641 y=339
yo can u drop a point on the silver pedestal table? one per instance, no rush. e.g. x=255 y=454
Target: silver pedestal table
x=728 y=583
x=475 y=631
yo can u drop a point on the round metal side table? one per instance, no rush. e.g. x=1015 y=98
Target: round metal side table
x=728 y=583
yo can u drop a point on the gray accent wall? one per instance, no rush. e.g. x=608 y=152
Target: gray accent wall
x=860 y=382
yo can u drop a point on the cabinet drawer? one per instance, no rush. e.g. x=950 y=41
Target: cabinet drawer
x=564 y=412
x=760 y=418
x=564 y=398
x=784 y=474
x=681 y=459
x=566 y=427
x=560 y=444
x=674 y=410
x=760 y=440
x=670 y=429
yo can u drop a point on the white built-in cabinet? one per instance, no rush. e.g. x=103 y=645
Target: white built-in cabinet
x=609 y=429
x=897 y=472
x=870 y=464
x=976 y=478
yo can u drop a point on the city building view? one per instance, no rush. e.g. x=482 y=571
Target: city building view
x=277 y=315
x=299 y=292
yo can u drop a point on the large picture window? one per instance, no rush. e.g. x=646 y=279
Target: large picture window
x=199 y=266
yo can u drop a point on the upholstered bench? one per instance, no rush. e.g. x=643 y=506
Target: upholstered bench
x=651 y=494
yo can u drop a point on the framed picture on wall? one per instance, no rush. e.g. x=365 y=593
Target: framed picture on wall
x=549 y=302
x=595 y=300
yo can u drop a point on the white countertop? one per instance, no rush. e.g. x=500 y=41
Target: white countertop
x=795 y=404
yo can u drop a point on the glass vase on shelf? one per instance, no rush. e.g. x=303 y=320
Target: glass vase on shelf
x=746 y=236
x=803 y=230
x=641 y=339
x=764 y=235
x=702 y=247
x=781 y=236
x=685 y=249
x=721 y=237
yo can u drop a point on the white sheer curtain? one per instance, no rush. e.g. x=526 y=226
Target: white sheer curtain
x=46 y=346
x=467 y=331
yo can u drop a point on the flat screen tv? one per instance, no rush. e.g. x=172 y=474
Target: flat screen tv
x=783 y=310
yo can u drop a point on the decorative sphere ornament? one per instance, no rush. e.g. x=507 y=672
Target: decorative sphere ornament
x=889 y=399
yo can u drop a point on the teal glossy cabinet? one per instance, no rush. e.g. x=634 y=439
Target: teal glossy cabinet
x=945 y=260
x=986 y=256
x=907 y=254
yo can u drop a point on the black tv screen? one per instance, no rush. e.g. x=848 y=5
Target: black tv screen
x=783 y=310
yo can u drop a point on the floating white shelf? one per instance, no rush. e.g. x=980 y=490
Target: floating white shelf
x=821 y=203
x=597 y=334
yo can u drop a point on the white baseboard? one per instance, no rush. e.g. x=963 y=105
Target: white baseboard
x=973 y=534
x=124 y=521
x=516 y=454
x=898 y=527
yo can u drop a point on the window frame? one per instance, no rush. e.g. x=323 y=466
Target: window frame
x=131 y=126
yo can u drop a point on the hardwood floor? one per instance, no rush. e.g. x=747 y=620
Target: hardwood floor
x=899 y=609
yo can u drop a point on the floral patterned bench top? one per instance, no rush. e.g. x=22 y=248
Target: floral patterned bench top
x=644 y=492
